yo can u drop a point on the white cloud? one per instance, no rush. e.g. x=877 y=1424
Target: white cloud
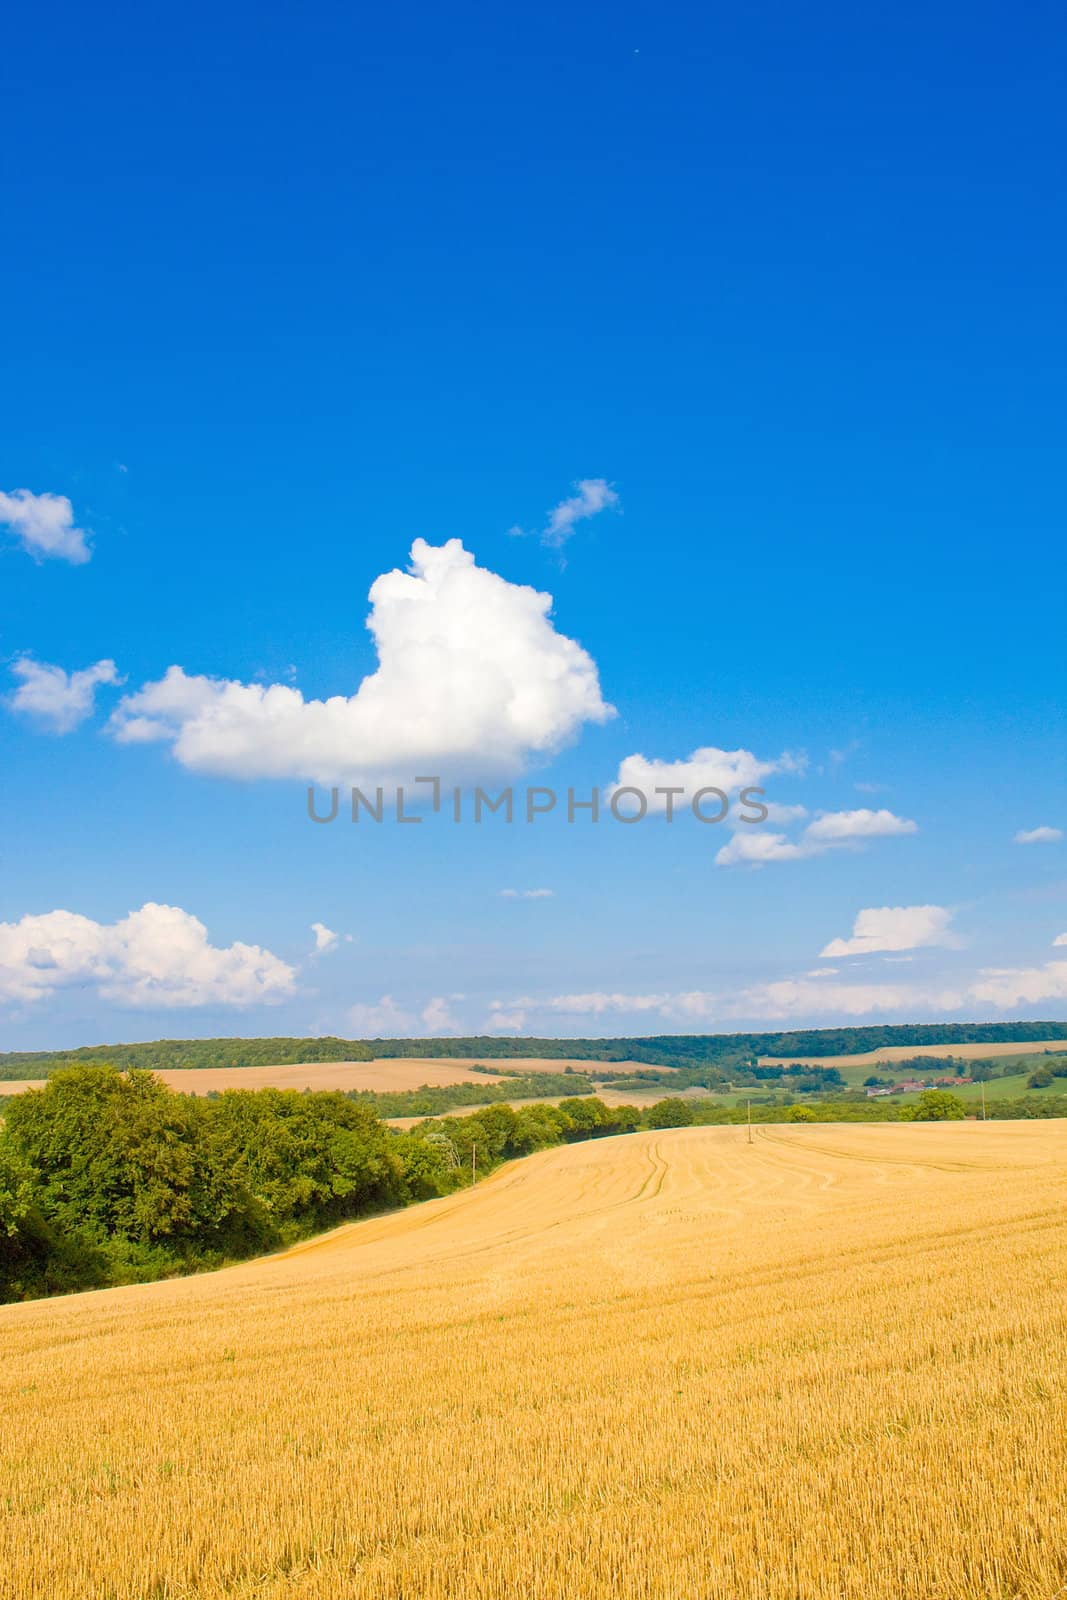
x=44 y=526
x=473 y=679
x=833 y=826
x=527 y=894
x=807 y=997
x=593 y=495
x=386 y=1019
x=437 y=1017
x=501 y=1021
x=59 y=700
x=325 y=938
x=831 y=830
x=593 y=1003
x=810 y=995
x=1039 y=836
x=1009 y=987
x=894 y=928
x=757 y=849
x=817 y=996
x=382 y=1019
x=1060 y=939
x=706 y=768
x=157 y=956
x=783 y=814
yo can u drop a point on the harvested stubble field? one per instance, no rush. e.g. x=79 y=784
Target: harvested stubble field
x=673 y=1366
x=383 y=1075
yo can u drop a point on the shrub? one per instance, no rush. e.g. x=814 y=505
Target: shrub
x=669 y=1113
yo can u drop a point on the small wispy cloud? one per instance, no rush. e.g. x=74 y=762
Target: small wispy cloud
x=326 y=939
x=594 y=494
x=831 y=830
x=591 y=496
x=44 y=526
x=57 y=700
x=1039 y=836
x=527 y=894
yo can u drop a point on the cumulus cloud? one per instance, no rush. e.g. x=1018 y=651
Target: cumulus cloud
x=527 y=894
x=1008 y=987
x=157 y=956
x=894 y=928
x=1060 y=939
x=44 y=526
x=437 y=1017
x=325 y=938
x=831 y=830
x=783 y=814
x=1039 y=836
x=833 y=826
x=707 y=768
x=59 y=701
x=591 y=495
x=472 y=680
x=816 y=996
x=386 y=1019
x=758 y=849
x=806 y=997
x=505 y=1021
x=380 y=1019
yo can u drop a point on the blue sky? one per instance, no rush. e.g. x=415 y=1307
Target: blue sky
x=289 y=289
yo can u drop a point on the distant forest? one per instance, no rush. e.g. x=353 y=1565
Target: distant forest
x=723 y=1050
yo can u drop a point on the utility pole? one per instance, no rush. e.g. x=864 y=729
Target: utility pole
x=749 y=1104
x=474 y=1163
x=983 y=1100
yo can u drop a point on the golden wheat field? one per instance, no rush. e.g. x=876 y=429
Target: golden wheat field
x=383 y=1074
x=672 y=1366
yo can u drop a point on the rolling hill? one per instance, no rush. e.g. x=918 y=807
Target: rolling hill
x=826 y=1363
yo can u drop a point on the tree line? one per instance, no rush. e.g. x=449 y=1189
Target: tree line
x=109 y=1177
x=663 y=1050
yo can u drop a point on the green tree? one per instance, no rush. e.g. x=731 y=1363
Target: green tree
x=303 y=1158
x=585 y=1117
x=938 y=1105
x=801 y=1114
x=120 y=1155
x=34 y=1260
x=669 y=1113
